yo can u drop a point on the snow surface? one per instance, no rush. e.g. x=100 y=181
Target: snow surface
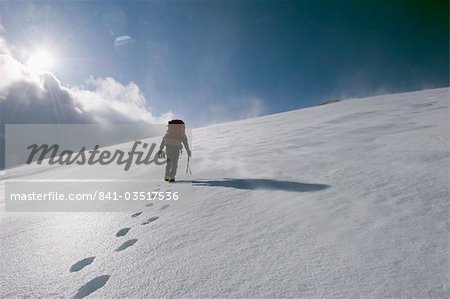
x=349 y=199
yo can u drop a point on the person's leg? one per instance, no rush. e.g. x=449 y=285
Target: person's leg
x=168 y=166
x=172 y=160
x=175 y=155
x=169 y=163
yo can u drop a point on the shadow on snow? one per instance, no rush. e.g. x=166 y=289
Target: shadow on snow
x=259 y=184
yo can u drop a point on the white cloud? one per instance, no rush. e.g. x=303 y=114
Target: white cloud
x=26 y=97
x=10 y=69
x=123 y=40
x=111 y=100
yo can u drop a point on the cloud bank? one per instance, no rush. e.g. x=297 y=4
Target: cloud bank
x=26 y=97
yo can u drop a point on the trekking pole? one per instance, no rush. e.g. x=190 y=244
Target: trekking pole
x=188 y=167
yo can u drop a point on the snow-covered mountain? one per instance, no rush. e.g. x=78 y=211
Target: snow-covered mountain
x=349 y=199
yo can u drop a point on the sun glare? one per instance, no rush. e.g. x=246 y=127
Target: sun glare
x=41 y=61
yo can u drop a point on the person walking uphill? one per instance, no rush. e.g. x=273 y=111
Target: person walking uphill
x=173 y=140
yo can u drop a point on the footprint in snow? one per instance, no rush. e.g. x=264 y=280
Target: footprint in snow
x=123 y=232
x=91 y=286
x=126 y=244
x=81 y=264
x=164 y=207
x=149 y=204
x=136 y=214
x=151 y=219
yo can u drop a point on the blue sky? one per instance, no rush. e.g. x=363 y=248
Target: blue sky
x=212 y=61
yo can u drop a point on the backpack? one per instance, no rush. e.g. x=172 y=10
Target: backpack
x=176 y=129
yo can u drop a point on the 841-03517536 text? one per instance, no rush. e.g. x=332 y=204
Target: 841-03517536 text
x=97 y=195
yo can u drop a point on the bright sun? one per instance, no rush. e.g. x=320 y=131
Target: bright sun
x=41 y=61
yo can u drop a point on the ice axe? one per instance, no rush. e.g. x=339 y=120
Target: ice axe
x=188 y=167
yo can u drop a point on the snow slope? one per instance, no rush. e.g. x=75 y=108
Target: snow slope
x=344 y=200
